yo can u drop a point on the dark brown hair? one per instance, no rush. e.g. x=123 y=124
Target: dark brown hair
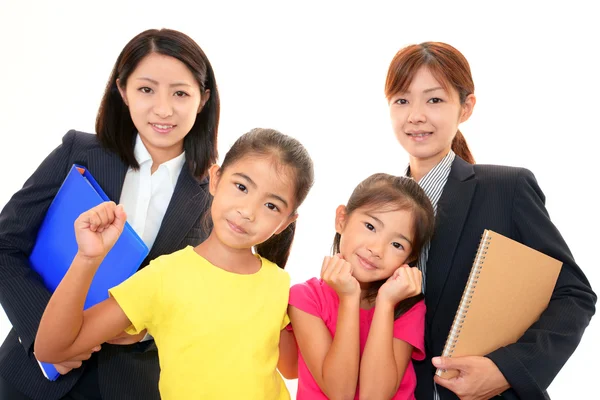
x=382 y=191
x=289 y=153
x=114 y=126
x=446 y=64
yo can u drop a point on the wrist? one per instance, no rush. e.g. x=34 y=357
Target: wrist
x=349 y=299
x=384 y=304
x=91 y=262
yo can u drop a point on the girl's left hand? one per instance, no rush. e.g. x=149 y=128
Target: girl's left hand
x=405 y=282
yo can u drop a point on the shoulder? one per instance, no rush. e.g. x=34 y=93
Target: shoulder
x=179 y=257
x=80 y=143
x=273 y=271
x=500 y=173
x=314 y=293
x=416 y=312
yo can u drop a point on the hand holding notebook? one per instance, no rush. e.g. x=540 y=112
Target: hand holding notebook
x=509 y=287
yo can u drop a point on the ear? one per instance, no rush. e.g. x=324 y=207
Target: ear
x=123 y=92
x=204 y=98
x=287 y=223
x=214 y=173
x=467 y=108
x=341 y=215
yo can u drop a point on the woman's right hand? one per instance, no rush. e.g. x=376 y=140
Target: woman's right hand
x=337 y=273
x=66 y=366
x=98 y=229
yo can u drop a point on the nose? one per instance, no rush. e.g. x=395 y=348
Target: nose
x=416 y=114
x=375 y=247
x=247 y=211
x=163 y=107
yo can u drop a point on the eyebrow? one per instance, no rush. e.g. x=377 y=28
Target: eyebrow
x=382 y=224
x=253 y=184
x=171 y=85
x=428 y=90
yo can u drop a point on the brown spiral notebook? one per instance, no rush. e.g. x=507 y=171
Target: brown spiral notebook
x=509 y=287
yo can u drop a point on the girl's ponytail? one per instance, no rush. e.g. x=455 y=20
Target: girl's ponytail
x=277 y=248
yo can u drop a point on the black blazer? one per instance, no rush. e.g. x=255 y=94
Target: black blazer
x=509 y=201
x=124 y=372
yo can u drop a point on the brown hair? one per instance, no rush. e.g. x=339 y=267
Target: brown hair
x=290 y=153
x=114 y=126
x=382 y=191
x=446 y=64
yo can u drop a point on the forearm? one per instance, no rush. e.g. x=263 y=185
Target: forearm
x=378 y=368
x=340 y=366
x=530 y=364
x=63 y=318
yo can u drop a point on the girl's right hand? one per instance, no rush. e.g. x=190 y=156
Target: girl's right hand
x=337 y=273
x=98 y=229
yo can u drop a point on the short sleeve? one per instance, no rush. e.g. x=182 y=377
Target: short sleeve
x=308 y=297
x=410 y=328
x=140 y=297
x=286 y=322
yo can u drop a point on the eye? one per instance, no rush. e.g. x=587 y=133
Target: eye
x=145 y=90
x=369 y=227
x=435 y=100
x=241 y=187
x=401 y=101
x=272 y=206
x=179 y=93
x=398 y=246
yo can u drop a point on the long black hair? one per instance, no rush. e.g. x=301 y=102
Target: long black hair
x=114 y=126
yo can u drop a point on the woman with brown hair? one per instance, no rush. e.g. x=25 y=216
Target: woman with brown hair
x=430 y=92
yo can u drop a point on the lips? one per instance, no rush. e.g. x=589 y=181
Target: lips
x=236 y=228
x=366 y=264
x=163 y=128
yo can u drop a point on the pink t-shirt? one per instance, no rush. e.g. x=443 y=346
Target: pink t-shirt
x=317 y=298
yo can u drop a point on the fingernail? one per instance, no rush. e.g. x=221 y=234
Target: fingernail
x=436 y=361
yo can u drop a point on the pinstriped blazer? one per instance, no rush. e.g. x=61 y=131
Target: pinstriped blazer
x=125 y=372
x=509 y=201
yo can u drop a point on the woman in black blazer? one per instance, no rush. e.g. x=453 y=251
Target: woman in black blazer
x=140 y=107
x=430 y=92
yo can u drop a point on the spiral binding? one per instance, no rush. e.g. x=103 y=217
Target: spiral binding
x=465 y=301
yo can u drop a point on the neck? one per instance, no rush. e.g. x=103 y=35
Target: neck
x=240 y=261
x=365 y=303
x=419 y=167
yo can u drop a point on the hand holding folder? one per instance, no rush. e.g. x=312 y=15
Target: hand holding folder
x=56 y=245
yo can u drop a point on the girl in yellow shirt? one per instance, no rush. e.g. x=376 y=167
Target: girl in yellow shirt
x=216 y=311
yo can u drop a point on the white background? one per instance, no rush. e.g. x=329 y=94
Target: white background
x=316 y=70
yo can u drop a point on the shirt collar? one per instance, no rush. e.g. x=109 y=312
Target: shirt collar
x=444 y=164
x=173 y=166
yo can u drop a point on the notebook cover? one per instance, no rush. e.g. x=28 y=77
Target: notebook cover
x=509 y=287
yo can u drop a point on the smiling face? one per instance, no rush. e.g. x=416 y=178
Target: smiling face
x=375 y=241
x=164 y=99
x=425 y=118
x=253 y=200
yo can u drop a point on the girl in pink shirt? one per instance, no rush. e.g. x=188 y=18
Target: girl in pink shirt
x=359 y=326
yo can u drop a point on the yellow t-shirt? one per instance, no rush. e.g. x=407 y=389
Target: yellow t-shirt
x=217 y=332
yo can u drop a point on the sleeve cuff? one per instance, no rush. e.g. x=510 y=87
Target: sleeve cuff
x=518 y=377
x=147 y=337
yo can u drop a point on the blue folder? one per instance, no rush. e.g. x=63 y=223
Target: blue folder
x=55 y=246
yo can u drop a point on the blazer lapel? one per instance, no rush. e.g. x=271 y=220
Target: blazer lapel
x=452 y=211
x=108 y=170
x=188 y=202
